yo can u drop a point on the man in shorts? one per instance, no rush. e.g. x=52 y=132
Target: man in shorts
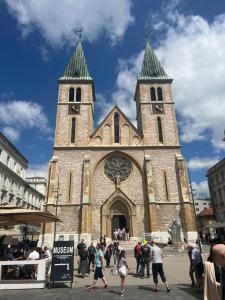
x=157 y=266
x=98 y=268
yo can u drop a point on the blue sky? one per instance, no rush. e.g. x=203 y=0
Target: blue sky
x=38 y=38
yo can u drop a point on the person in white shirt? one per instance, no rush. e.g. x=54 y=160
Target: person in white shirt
x=157 y=266
x=34 y=255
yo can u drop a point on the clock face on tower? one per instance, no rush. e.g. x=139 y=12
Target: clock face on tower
x=157 y=108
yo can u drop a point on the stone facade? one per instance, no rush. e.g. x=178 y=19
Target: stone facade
x=14 y=189
x=155 y=192
x=216 y=183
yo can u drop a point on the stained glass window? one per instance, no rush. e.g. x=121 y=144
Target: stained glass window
x=117 y=168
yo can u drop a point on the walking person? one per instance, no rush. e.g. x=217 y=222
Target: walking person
x=157 y=266
x=107 y=258
x=115 y=233
x=212 y=278
x=84 y=266
x=198 y=266
x=145 y=258
x=99 y=262
x=80 y=248
x=116 y=252
x=122 y=270
x=191 y=268
x=137 y=255
x=91 y=256
x=218 y=254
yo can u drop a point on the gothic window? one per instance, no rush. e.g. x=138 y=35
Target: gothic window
x=71 y=95
x=116 y=128
x=73 y=129
x=117 y=168
x=160 y=130
x=159 y=94
x=153 y=95
x=78 y=95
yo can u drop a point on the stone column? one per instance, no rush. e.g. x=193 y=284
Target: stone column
x=187 y=209
x=86 y=210
x=153 y=226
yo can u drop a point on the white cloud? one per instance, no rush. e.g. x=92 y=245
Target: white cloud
x=57 y=20
x=200 y=190
x=38 y=170
x=199 y=163
x=11 y=133
x=123 y=96
x=17 y=115
x=192 y=52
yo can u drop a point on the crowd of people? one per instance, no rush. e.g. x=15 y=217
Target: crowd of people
x=15 y=252
x=96 y=258
x=121 y=234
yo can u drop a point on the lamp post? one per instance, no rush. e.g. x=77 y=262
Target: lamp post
x=56 y=206
x=193 y=201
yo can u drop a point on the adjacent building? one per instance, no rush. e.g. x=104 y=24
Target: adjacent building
x=201 y=204
x=216 y=182
x=14 y=189
x=117 y=175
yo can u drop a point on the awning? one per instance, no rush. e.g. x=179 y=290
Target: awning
x=13 y=216
x=215 y=225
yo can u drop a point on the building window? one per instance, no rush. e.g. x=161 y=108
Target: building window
x=212 y=181
x=196 y=204
x=78 y=95
x=222 y=176
x=166 y=186
x=217 y=178
x=73 y=129
x=0 y=152
x=159 y=94
x=197 y=209
x=153 y=95
x=7 y=162
x=160 y=130
x=116 y=128
x=71 y=95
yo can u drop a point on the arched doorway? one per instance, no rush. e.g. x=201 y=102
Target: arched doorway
x=118 y=210
x=120 y=217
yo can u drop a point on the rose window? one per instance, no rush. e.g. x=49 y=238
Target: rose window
x=117 y=168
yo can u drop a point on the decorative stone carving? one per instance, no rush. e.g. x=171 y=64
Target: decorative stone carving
x=117 y=168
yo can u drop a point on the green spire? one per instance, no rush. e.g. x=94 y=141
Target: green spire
x=151 y=67
x=77 y=67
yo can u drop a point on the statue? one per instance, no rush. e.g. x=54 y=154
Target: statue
x=175 y=231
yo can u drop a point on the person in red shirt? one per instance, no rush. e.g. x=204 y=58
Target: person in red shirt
x=137 y=255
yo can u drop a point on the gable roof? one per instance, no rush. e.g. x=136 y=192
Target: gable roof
x=77 y=67
x=116 y=108
x=151 y=67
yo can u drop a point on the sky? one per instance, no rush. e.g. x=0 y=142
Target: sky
x=37 y=39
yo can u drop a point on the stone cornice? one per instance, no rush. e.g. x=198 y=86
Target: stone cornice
x=109 y=147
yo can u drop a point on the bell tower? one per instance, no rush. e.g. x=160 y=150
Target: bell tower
x=75 y=109
x=156 y=119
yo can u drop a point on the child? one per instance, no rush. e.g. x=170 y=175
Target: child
x=122 y=265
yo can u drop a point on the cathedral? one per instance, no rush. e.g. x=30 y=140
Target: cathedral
x=117 y=175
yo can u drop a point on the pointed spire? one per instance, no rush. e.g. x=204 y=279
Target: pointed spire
x=151 y=67
x=77 y=67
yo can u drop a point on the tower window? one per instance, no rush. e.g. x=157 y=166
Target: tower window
x=78 y=95
x=71 y=95
x=116 y=128
x=73 y=129
x=153 y=95
x=160 y=130
x=159 y=94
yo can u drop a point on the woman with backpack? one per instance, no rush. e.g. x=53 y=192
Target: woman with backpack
x=122 y=270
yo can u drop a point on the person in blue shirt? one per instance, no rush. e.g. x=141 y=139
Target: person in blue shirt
x=99 y=265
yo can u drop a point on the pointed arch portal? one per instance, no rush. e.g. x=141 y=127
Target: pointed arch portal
x=117 y=212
